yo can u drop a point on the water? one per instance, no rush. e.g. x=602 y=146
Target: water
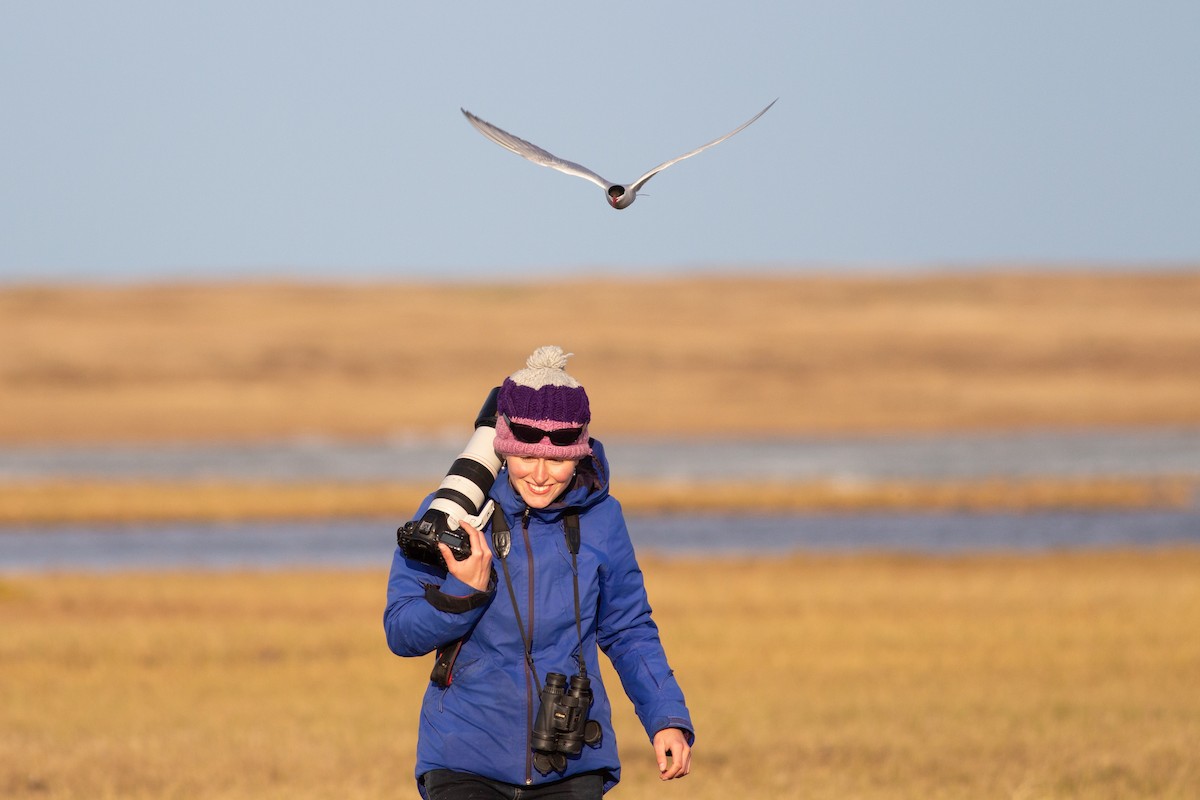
x=1120 y=452
x=369 y=544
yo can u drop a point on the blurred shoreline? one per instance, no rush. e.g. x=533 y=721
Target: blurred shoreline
x=369 y=542
x=1112 y=452
x=725 y=368
x=53 y=502
x=310 y=478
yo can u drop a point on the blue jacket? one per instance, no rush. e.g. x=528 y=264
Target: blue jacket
x=480 y=722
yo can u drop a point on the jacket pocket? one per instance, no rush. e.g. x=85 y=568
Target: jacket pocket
x=461 y=670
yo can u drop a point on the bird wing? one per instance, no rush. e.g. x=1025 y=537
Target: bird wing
x=532 y=152
x=640 y=181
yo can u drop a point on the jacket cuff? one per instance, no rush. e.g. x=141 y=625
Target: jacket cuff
x=456 y=597
x=685 y=725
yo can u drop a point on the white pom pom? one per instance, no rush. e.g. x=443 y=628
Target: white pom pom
x=545 y=368
x=548 y=357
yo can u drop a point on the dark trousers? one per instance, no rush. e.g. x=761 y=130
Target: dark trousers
x=445 y=784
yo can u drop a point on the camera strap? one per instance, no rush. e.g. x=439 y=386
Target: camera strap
x=501 y=543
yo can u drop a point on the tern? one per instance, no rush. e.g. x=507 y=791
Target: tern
x=620 y=195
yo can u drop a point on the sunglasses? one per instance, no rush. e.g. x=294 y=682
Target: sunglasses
x=531 y=435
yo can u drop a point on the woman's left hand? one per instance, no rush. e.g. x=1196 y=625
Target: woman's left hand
x=672 y=742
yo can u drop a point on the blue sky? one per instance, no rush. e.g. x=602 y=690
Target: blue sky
x=242 y=139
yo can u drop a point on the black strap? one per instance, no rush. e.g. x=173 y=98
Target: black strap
x=455 y=604
x=501 y=537
x=500 y=525
x=571 y=532
x=443 y=666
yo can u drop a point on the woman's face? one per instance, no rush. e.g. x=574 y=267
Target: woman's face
x=540 y=481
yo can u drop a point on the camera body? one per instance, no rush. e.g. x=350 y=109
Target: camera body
x=419 y=539
x=561 y=727
x=461 y=496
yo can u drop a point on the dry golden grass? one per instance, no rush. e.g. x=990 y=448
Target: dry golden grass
x=725 y=355
x=124 y=501
x=1052 y=676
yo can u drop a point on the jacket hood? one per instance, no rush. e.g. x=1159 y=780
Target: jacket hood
x=589 y=488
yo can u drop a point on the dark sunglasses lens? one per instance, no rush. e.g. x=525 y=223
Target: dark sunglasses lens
x=564 y=436
x=526 y=433
x=531 y=435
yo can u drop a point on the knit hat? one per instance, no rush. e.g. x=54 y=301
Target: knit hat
x=542 y=399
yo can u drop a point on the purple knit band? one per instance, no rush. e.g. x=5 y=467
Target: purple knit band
x=545 y=403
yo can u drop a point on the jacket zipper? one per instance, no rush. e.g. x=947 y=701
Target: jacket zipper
x=529 y=689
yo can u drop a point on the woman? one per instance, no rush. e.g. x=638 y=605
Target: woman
x=561 y=581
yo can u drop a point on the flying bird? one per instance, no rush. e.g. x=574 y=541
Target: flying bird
x=620 y=195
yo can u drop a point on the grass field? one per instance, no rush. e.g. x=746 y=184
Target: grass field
x=735 y=355
x=872 y=676
x=1059 y=675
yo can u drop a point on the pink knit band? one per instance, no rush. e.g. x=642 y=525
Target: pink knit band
x=508 y=445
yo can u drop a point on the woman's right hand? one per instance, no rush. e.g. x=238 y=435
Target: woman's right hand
x=476 y=569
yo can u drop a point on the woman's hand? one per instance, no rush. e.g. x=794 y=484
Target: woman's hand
x=476 y=569
x=672 y=742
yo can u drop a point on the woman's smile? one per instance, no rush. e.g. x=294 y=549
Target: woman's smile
x=540 y=481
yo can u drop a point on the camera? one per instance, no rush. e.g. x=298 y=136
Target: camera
x=462 y=495
x=561 y=726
